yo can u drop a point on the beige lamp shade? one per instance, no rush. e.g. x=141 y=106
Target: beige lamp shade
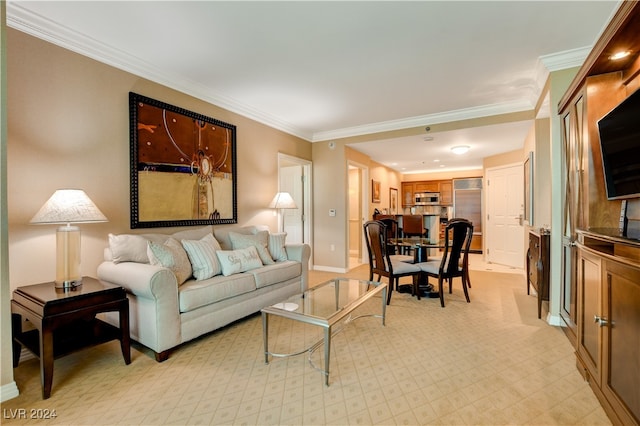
x=67 y=206
x=283 y=200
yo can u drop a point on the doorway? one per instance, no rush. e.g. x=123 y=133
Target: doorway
x=358 y=176
x=294 y=177
x=505 y=210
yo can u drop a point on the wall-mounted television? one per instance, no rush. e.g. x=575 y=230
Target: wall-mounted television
x=620 y=146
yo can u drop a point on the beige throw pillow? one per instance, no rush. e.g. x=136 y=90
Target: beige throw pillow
x=128 y=248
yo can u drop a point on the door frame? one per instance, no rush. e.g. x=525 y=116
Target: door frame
x=285 y=160
x=364 y=209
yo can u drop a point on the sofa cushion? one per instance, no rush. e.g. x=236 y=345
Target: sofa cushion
x=259 y=240
x=171 y=255
x=276 y=273
x=128 y=248
x=222 y=234
x=202 y=255
x=194 y=294
x=236 y=261
x=276 y=246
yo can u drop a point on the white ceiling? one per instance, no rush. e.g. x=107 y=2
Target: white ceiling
x=331 y=69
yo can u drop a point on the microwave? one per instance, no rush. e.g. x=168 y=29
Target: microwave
x=426 y=198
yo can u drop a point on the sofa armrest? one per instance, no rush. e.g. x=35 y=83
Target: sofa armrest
x=154 y=310
x=300 y=253
x=141 y=279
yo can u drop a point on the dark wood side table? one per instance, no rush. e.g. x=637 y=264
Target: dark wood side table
x=65 y=321
x=538 y=265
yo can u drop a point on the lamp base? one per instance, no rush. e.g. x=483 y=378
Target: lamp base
x=68 y=285
x=68 y=257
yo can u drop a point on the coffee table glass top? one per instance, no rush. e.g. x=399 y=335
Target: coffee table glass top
x=327 y=300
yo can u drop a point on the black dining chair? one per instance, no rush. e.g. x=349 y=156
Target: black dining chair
x=381 y=263
x=455 y=258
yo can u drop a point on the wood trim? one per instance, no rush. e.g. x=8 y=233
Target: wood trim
x=620 y=19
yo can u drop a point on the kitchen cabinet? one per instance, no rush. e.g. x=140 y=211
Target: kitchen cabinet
x=443 y=187
x=608 y=347
x=426 y=186
x=407 y=194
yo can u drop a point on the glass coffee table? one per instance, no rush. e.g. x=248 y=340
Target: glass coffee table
x=324 y=305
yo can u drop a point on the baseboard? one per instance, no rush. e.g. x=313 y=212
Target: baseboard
x=330 y=269
x=555 y=320
x=8 y=391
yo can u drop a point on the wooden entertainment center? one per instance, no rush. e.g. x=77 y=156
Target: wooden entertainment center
x=600 y=294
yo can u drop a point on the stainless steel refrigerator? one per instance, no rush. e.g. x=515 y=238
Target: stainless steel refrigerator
x=467 y=204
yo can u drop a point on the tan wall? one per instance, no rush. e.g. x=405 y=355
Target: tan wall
x=68 y=126
x=8 y=386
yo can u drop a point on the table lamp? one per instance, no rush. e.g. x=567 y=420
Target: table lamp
x=67 y=206
x=282 y=200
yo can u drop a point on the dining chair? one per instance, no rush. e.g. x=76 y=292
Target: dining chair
x=455 y=258
x=381 y=263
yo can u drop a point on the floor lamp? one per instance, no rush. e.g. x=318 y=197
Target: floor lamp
x=67 y=206
x=281 y=201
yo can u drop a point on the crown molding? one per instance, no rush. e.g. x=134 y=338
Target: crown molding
x=567 y=59
x=36 y=25
x=441 y=117
x=40 y=27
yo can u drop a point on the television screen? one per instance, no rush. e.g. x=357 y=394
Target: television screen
x=620 y=146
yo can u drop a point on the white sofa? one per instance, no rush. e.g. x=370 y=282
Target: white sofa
x=165 y=313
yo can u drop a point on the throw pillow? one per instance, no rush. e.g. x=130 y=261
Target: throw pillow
x=171 y=255
x=260 y=241
x=236 y=261
x=276 y=246
x=128 y=248
x=202 y=255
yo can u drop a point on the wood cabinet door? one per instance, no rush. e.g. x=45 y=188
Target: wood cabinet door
x=407 y=194
x=426 y=186
x=572 y=134
x=446 y=192
x=590 y=308
x=621 y=363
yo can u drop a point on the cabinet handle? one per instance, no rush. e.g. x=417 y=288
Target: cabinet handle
x=602 y=322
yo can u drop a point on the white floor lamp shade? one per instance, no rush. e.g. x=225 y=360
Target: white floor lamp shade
x=67 y=206
x=282 y=200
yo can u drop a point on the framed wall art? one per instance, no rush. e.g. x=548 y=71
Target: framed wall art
x=375 y=191
x=393 y=201
x=183 y=166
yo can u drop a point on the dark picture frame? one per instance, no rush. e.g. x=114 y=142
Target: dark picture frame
x=183 y=166
x=375 y=191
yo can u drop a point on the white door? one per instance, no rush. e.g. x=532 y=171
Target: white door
x=505 y=207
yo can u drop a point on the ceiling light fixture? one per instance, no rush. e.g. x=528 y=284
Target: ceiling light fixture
x=461 y=149
x=619 y=55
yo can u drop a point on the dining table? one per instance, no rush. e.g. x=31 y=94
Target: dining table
x=419 y=247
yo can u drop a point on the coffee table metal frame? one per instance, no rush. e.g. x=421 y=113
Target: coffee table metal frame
x=327 y=322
